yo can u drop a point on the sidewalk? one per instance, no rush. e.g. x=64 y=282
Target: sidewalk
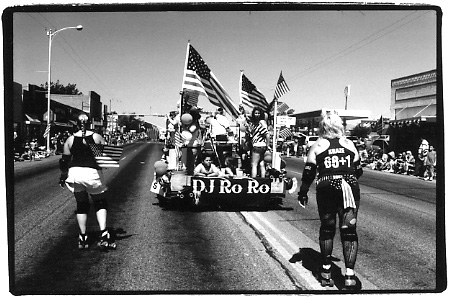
x=31 y=164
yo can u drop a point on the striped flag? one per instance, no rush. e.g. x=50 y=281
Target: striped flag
x=191 y=97
x=380 y=125
x=179 y=139
x=282 y=88
x=250 y=95
x=282 y=107
x=106 y=156
x=198 y=77
x=285 y=132
x=47 y=131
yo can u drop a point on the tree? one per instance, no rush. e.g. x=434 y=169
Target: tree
x=58 y=88
x=361 y=131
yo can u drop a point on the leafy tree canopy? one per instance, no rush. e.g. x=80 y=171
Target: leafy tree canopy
x=361 y=130
x=58 y=88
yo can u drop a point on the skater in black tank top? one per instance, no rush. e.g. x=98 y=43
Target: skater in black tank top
x=336 y=160
x=83 y=177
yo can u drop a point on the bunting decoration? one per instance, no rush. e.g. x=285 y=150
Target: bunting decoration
x=47 y=131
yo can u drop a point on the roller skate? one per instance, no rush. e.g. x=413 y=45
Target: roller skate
x=350 y=283
x=106 y=242
x=82 y=241
x=324 y=277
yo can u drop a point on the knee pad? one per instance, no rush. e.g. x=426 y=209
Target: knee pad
x=83 y=207
x=81 y=196
x=349 y=219
x=349 y=234
x=327 y=232
x=99 y=202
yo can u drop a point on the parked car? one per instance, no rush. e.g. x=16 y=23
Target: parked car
x=310 y=140
x=354 y=139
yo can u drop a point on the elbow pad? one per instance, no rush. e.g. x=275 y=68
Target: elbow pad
x=358 y=169
x=64 y=163
x=309 y=173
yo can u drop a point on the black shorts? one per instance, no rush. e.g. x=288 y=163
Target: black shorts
x=330 y=199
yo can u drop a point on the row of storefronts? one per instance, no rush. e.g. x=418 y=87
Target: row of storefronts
x=414 y=113
x=30 y=113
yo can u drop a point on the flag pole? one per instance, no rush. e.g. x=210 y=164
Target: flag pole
x=184 y=75
x=240 y=103
x=274 y=140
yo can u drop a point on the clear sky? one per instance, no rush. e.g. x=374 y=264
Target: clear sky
x=135 y=60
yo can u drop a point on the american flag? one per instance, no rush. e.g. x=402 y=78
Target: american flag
x=380 y=126
x=250 y=95
x=285 y=132
x=179 y=139
x=282 y=107
x=198 y=77
x=47 y=131
x=282 y=88
x=191 y=97
x=106 y=156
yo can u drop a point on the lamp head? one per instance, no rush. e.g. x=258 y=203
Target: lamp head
x=79 y=27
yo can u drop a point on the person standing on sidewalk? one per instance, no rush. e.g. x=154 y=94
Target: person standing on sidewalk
x=430 y=163
x=336 y=160
x=83 y=177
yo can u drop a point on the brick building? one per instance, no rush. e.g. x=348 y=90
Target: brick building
x=413 y=111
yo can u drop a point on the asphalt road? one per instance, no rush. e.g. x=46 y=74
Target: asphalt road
x=214 y=251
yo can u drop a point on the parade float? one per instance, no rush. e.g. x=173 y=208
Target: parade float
x=174 y=181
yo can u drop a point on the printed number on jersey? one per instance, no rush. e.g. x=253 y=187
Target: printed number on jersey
x=335 y=161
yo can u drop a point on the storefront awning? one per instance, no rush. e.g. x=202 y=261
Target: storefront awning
x=413 y=120
x=63 y=124
x=31 y=120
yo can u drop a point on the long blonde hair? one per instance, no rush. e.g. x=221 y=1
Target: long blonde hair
x=331 y=126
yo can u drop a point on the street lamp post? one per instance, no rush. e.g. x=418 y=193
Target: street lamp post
x=50 y=38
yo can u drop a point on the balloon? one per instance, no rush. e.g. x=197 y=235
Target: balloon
x=186 y=135
x=242 y=128
x=268 y=158
x=161 y=167
x=268 y=153
x=193 y=128
x=186 y=119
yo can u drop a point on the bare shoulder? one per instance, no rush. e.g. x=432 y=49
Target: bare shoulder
x=70 y=140
x=320 y=145
x=98 y=138
x=347 y=144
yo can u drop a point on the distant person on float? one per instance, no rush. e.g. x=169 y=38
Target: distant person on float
x=260 y=138
x=172 y=125
x=206 y=168
x=336 y=160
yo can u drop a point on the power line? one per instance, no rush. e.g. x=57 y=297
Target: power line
x=354 y=47
x=84 y=68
